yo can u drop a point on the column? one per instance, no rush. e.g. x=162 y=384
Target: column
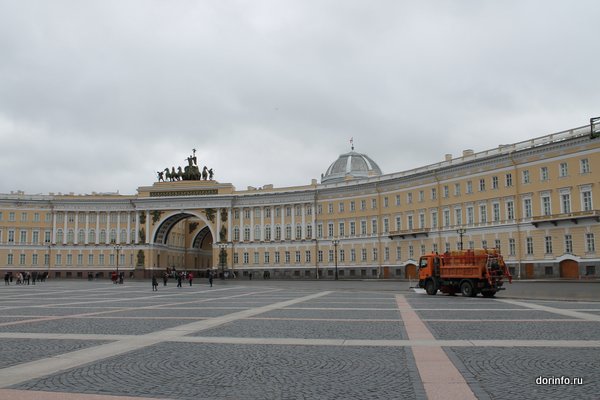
x=303 y=221
x=137 y=227
x=128 y=236
x=262 y=223
x=53 y=239
x=76 y=231
x=118 y=238
x=229 y=223
x=218 y=238
x=65 y=219
x=87 y=227
x=107 y=227
x=97 y=228
x=252 y=224
x=147 y=226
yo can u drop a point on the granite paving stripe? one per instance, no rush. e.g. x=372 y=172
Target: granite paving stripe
x=12 y=394
x=258 y=372
x=569 y=305
x=440 y=377
x=569 y=313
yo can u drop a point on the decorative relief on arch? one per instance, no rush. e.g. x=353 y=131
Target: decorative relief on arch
x=210 y=214
x=223 y=234
x=224 y=214
x=156 y=216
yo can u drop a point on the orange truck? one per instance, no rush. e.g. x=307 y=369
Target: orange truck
x=467 y=271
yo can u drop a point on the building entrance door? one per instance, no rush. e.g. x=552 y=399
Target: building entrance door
x=569 y=269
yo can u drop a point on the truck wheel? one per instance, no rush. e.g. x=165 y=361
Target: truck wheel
x=466 y=288
x=488 y=293
x=430 y=287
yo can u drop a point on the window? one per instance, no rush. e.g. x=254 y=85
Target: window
x=309 y=231
x=341 y=207
x=496 y=212
x=457 y=189
x=510 y=210
x=267 y=232
x=483 y=244
x=10 y=259
x=509 y=181
x=330 y=208
x=386 y=225
x=529 y=245
x=34 y=259
x=277 y=258
x=236 y=258
x=470 y=215
x=590 y=245
x=23 y=217
x=434 y=219
x=352 y=205
x=278 y=232
x=319 y=209
x=565 y=203
x=584 y=166
x=512 y=247
x=446 y=191
x=469 y=187
x=288 y=232
x=90 y=259
x=458 y=216
x=397 y=199
x=494 y=182
x=544 y=173
x=526 y=176
x=409 y=198
x=482 y=213
x=568 y=244
x=421 y=221
x=246 y=234
x=374 y=226
x=257 y=233
x=373 y=203
x=409 y=221
x=363 y=255
x=21 y=259
x=330 y=229
x=298 y=232
x=433 y=194
x=342 y=255
x=385 y=202
x=59 y=235
x=548 y=270
x=548 y=244
x=421 y=195
x=386 y=254
x=563 y=170
x=307 y=256
x=352 y=255
x=586 y=200
x=256 y=257
x=267 y=257
x=482 y=185
x=446 y=218
x=11 y=216
x=267 y=212
x=341 y=229
x=352 y=228
x=320 y=231
x=527 y=211
x=246 y=257
x=546 y=206
x=331 y=255
x=363 y=205
x=363 y=227
x=411 y=251
x=23 y=238
x=375 y=255
x=320 y=256
x=236 y=233
x=36 y=237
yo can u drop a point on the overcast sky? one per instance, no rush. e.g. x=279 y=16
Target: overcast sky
x=99 y=95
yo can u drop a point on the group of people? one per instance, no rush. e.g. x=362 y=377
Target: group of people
x=117 y=277
x=180 y=276
x=25 y=277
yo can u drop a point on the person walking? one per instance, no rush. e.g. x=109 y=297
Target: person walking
x=210 y=278
x=165 y=278
x=190 y=278
x=154 y=284
x=7 y=278
x=179 y=280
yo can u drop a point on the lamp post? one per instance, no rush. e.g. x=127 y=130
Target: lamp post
x=118 y=249
x=461 y=232
x=49 y=257
x=222 y=258
x=335 y=245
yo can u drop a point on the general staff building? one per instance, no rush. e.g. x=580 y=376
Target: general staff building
x=537 y=201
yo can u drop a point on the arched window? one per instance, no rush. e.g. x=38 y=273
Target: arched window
x=277 y=232
x=257 y=233
x=59 y=236
x=81 y=236
x=288 y=232
x=246 y=234
x=267 y=232
x=92 y=236
x=236 y=234
x=103 y=235
x=70 y=236
x=113 y=235
x=123 y=238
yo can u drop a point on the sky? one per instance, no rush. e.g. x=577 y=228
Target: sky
x=97 y=96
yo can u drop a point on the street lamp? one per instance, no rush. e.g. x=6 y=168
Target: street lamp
x=461 y=232
x=222 y=258
x=117 y=249
x=335 y=245
x=49 y=257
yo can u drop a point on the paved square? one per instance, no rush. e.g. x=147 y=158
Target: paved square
x=290 y=340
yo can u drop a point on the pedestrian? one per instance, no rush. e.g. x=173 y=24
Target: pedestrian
x=154 y=284
x=190 y=278
x=179 y=280
x=210 y=278
x=7 y=278
x=165 y=278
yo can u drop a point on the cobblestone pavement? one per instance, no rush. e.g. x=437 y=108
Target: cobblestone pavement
x=265 y=340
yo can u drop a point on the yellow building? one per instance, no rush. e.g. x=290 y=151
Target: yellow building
x=534 y=200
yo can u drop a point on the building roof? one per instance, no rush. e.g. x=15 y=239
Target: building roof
x=351 y=165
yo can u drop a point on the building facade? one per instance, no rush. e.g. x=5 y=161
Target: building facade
x=535 y=200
